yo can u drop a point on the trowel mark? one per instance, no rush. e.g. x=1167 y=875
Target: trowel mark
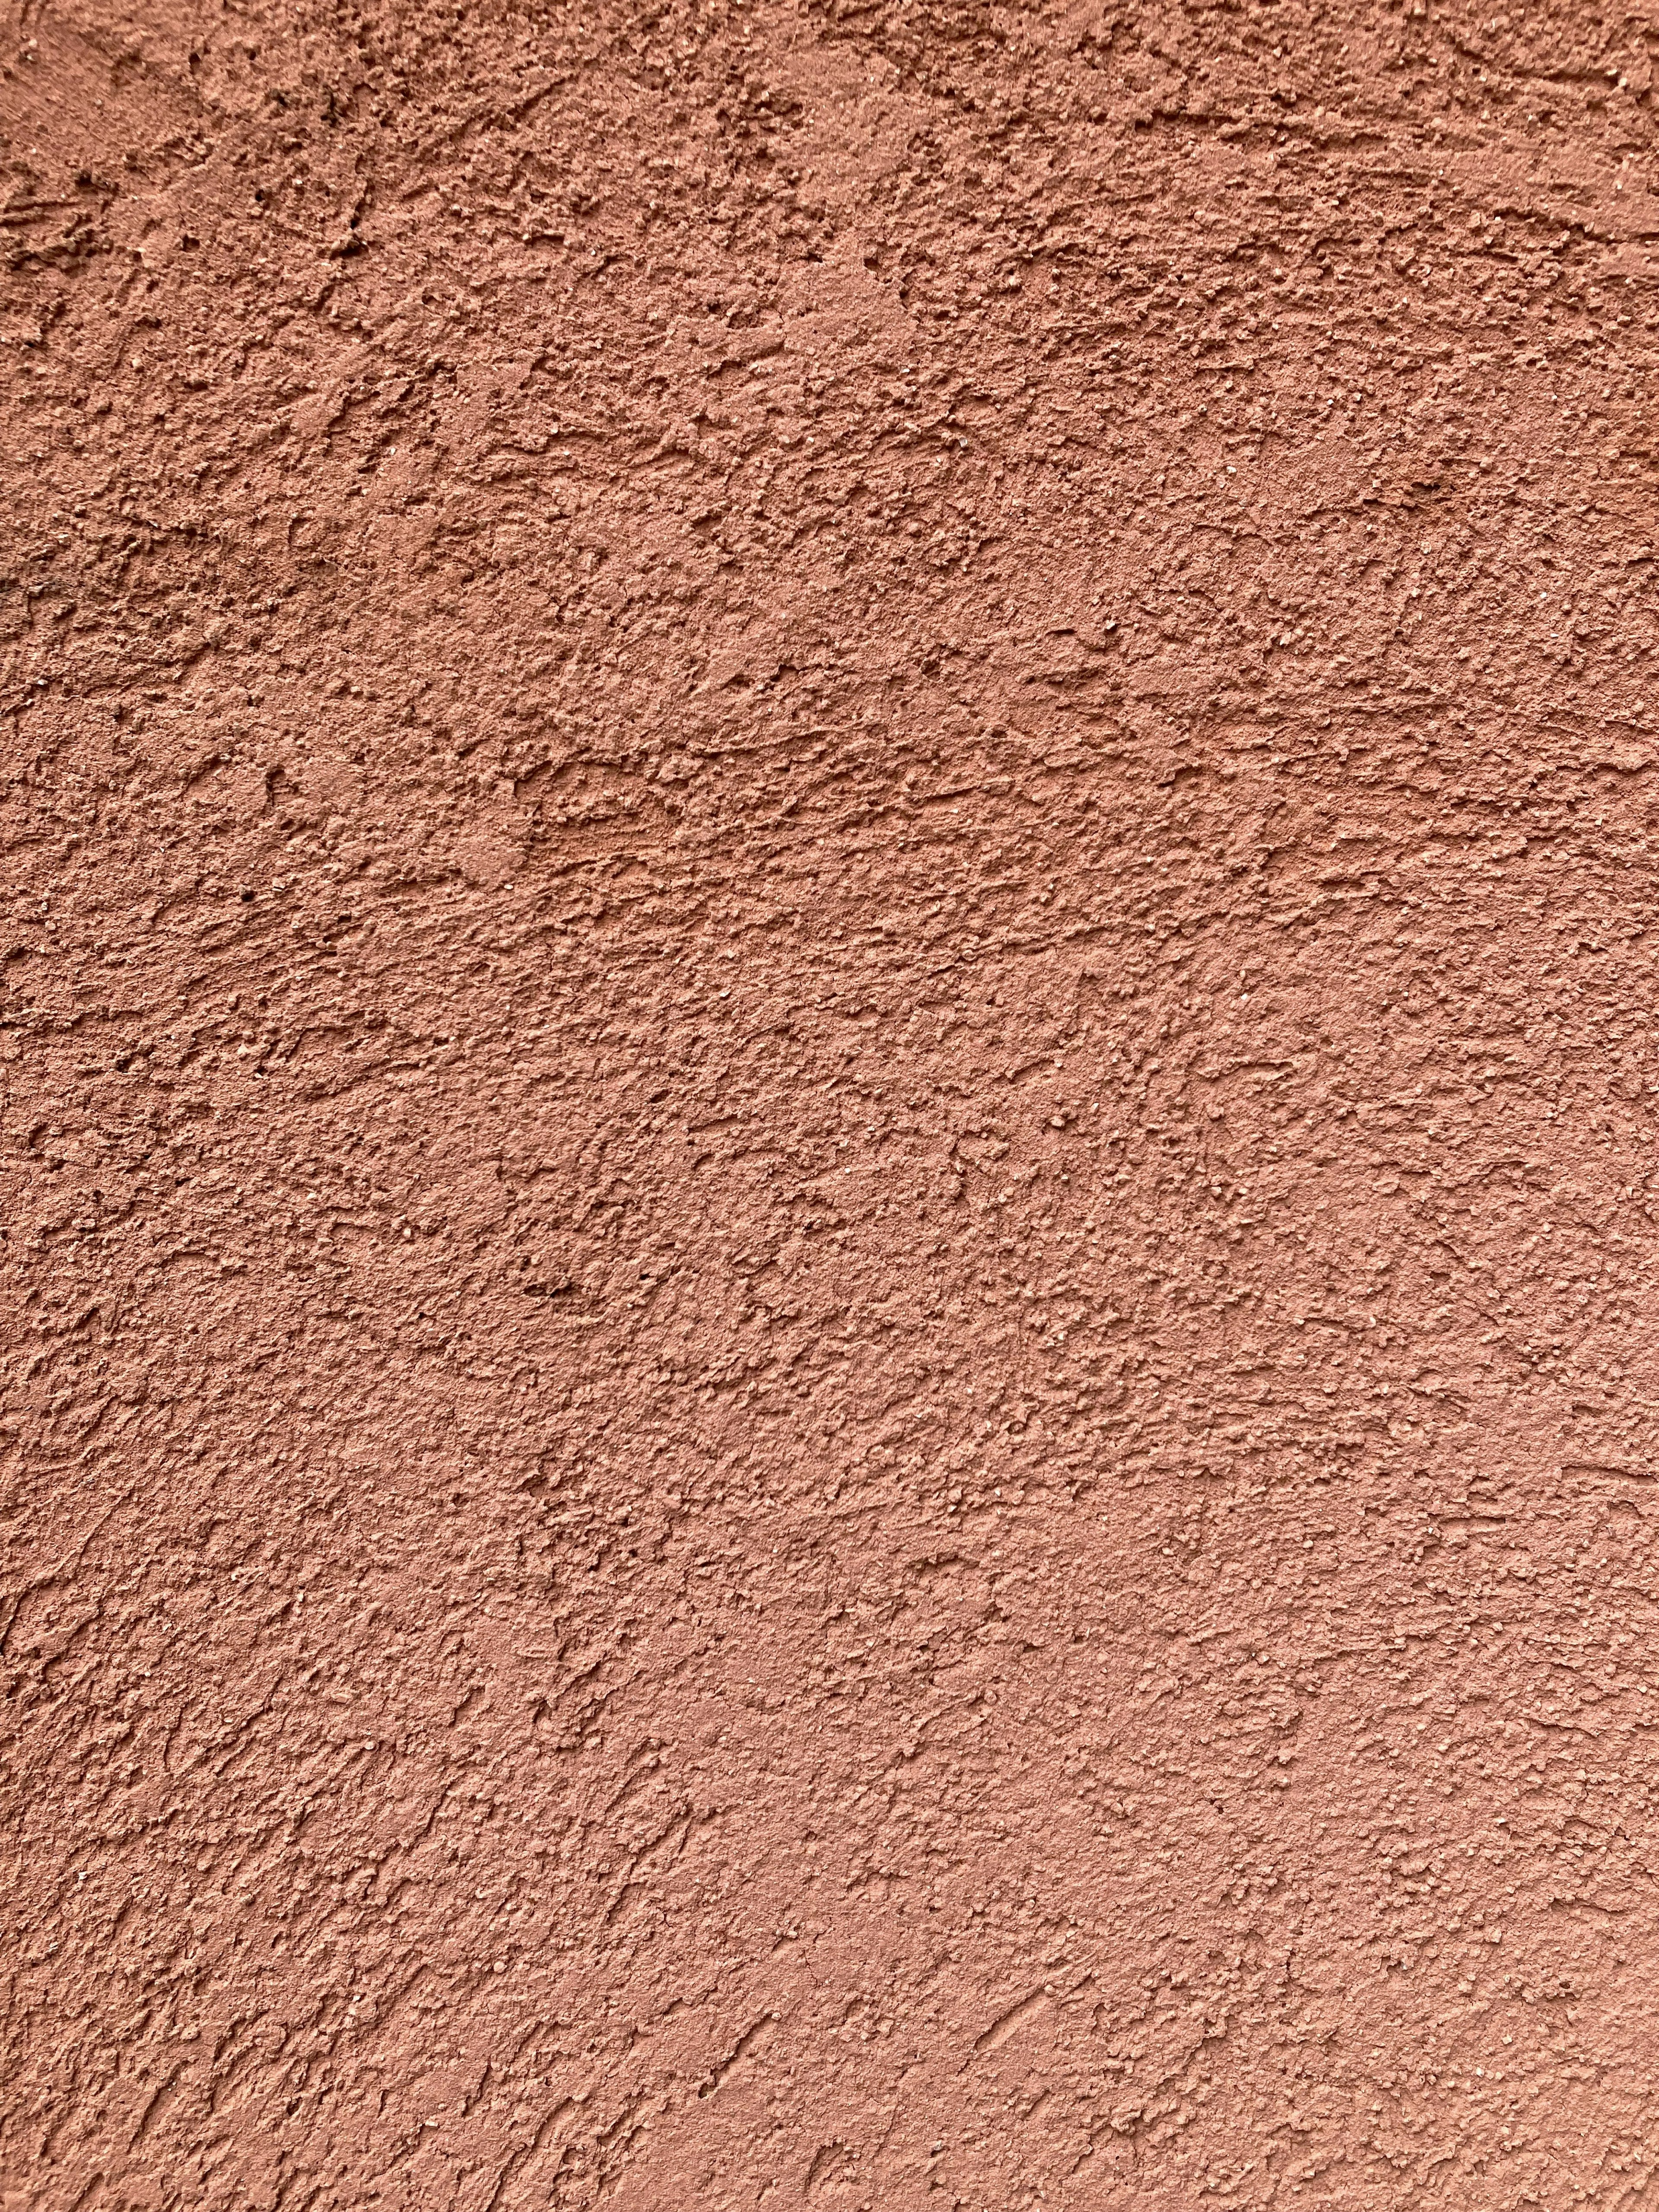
x=745 y=2043
x=1000 y=2030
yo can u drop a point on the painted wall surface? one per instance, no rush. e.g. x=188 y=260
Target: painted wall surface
x=828 y=854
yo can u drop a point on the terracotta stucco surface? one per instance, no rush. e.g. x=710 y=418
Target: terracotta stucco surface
x=829 y=956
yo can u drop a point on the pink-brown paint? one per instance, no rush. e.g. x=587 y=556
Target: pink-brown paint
x=829 y=851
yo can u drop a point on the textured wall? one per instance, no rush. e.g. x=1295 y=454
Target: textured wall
x=829 y=953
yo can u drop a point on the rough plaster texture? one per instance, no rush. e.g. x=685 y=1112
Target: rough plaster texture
x=828 y=944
